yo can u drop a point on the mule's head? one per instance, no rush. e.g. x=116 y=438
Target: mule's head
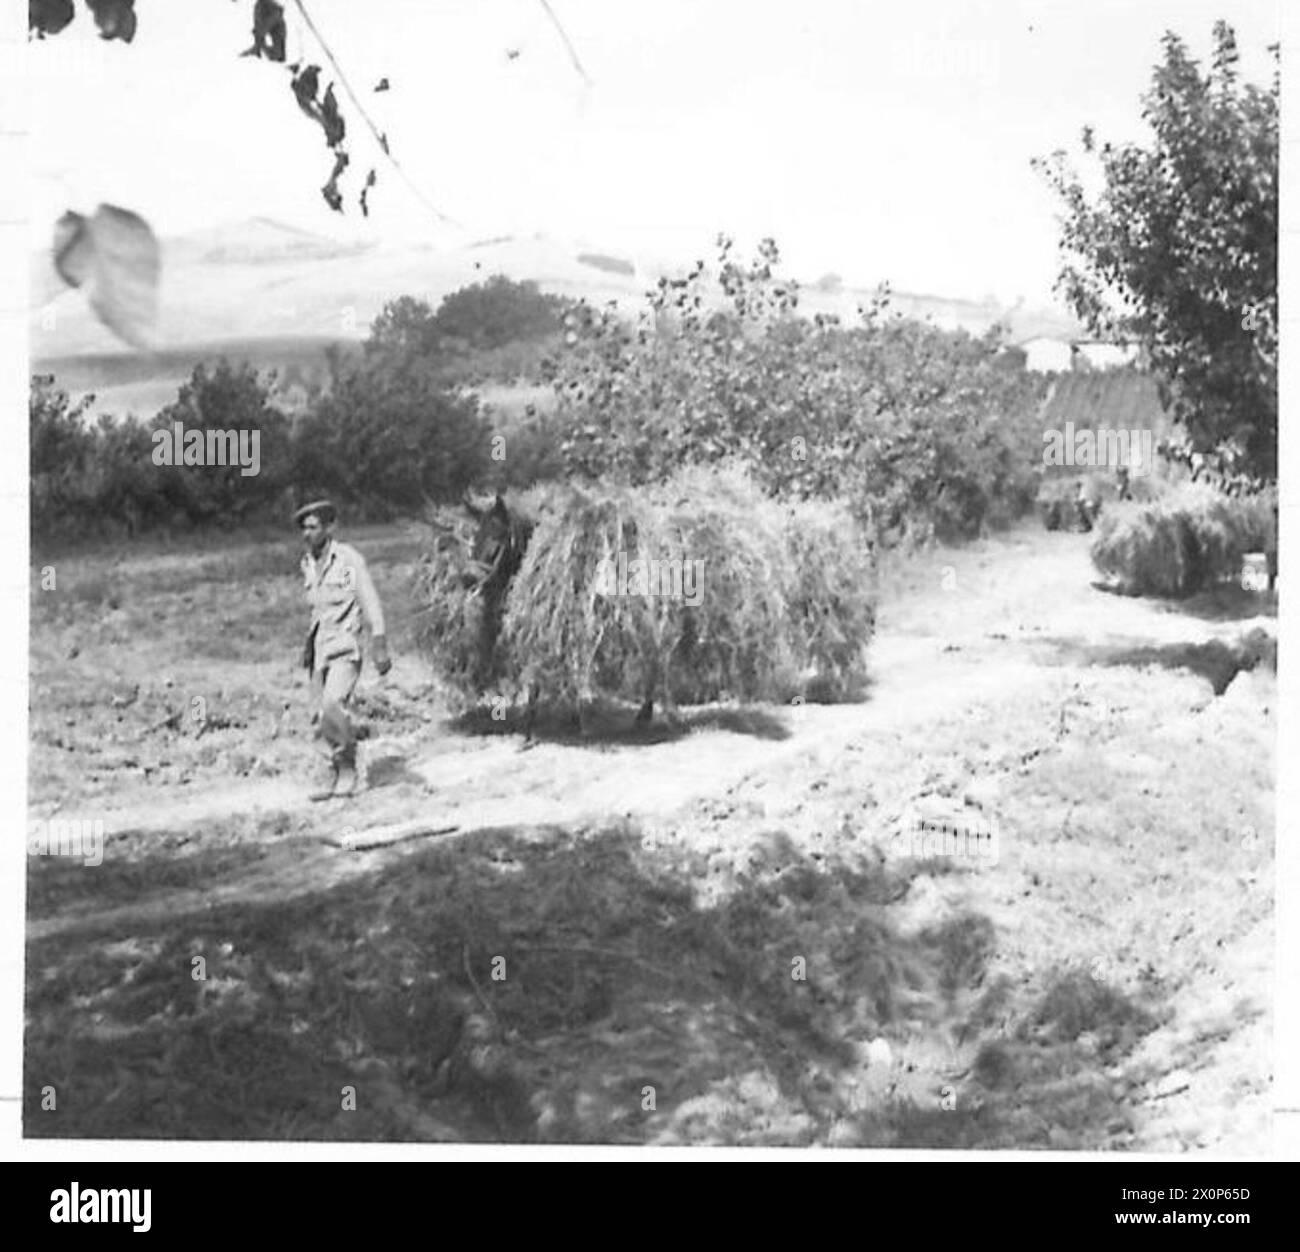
x=497 y=547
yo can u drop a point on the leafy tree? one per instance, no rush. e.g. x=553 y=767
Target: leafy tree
x=915 y=427
x=59 y=453
x=390 y=440
x=227 y=397
x=95 y=474
x=472 y=324
x=1179 y=250
x=499 y=311
x=404 y=329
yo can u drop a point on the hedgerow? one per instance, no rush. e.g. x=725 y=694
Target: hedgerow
x=380 y=443
x=101 y=475
x=919 y=429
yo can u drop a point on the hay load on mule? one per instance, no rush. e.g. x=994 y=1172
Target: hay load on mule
x=1185 y=542
x=699 y=589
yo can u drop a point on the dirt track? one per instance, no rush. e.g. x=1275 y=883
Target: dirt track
x=1096 y=987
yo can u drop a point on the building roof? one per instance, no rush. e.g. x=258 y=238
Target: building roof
x=1125 y=398
x=1074 y=341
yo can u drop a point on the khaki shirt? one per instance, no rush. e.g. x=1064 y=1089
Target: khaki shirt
x=340 y=593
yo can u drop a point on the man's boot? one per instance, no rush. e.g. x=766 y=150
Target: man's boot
x=345 y=765
x=327 y=788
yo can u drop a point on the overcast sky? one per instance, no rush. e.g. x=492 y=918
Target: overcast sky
x=878 y=140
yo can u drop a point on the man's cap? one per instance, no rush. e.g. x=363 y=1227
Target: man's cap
x=320 y=508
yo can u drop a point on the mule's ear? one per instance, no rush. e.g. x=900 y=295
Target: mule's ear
x=467 y=500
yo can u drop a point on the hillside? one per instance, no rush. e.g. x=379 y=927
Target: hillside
x=274 y=294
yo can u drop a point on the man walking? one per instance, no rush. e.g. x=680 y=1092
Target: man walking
x=341 y=594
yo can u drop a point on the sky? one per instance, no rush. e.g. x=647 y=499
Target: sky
x=879 y=141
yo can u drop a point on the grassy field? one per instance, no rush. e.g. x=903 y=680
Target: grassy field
x=709 y=933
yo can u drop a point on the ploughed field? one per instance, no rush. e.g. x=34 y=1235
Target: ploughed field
x=721 y=931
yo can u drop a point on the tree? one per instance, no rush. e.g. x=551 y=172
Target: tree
x=499 y=311
x=103 y=473
x=912 y=425
x=403 y=329
x=59 y=454
x=1179 y=250
x=225 y=397
x=391 y=439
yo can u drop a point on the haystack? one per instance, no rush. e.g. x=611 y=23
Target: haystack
x=1183 y=543
x=700 y=589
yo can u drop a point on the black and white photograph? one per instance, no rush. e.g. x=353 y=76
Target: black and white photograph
x=699 y=576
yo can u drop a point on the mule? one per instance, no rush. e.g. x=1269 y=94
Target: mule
x=496 y=554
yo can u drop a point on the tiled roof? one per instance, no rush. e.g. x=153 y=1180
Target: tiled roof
x=1122 y=398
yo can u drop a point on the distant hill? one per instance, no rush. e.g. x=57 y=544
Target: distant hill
x=271 y=293
x=144 y=382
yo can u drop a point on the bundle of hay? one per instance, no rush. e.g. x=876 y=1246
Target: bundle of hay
x=1184 y=542
x=459 y=629
x=699 y=589
x=834 y=597
x=740 y=641
x=560 y=624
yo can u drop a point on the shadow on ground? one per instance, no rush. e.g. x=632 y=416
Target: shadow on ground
x=609 y=722
x=1215 y=661
x=391 y=770
x=1228 y=602
x=585 y=985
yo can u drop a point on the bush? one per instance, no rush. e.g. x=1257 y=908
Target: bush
x=389 y=440
x=221 y=397
x=60 y=450
x=102 y=476
x=383 y=441
x=1185 y=542
x=921 y=429
x=497 y=312
x=532 y=452
x=786 y=597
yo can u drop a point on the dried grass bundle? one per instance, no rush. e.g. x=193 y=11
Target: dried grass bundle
x=457 y=630
x=700 y=589
x=1184 y=542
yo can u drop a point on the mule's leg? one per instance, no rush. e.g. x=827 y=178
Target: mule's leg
x=530 y=716
x=647 y=711
x=666 y=700
x=578 y=714
x=585 y=692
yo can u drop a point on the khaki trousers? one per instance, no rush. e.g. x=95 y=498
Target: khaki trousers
x=333 y=686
